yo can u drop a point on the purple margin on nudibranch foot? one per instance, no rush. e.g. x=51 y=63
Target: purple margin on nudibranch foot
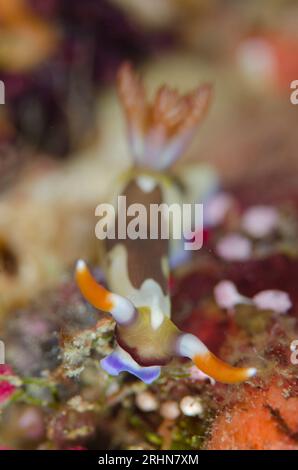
x=120 y=361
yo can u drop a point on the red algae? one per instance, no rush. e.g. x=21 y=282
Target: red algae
x=264 y=419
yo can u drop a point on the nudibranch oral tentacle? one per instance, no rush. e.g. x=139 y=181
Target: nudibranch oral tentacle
x=120 y=361
x=137 y=269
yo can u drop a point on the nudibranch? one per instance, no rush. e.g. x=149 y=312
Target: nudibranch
x=137 y=271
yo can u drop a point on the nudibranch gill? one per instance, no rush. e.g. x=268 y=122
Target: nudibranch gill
x=137 y=271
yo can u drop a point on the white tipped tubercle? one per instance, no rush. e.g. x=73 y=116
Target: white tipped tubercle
x=251 y=371
x=81 y=265
x=189 y=345
x=123 y=310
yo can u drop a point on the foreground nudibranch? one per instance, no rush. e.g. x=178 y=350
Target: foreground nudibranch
x=137 y=270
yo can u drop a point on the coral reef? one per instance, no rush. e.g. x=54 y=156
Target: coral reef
x=238 y=294
x=60 y=398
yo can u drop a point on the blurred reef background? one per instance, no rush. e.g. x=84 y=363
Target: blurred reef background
x=63 y=142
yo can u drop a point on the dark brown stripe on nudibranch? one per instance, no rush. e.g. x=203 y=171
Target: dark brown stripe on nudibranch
x=144 y=256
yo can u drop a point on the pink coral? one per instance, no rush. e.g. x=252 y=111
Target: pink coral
x=275 y=300
x=216 y=208
x=6 y=388
x=234 y=247
x=227 y=296
x=260 y=221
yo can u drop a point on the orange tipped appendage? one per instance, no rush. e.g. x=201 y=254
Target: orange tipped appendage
x=220 y=371
x=93 y=292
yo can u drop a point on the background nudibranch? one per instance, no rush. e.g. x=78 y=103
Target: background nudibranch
x=137 y=270
x=26 y=40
